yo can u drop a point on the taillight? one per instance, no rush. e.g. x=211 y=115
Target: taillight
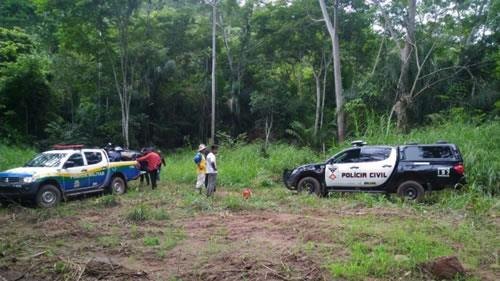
x=459 y=169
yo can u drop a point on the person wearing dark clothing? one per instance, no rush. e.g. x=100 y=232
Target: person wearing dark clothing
x=153 y=162
x=163 y=163
x=144 y=167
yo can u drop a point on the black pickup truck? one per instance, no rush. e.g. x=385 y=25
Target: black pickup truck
x=408 y=170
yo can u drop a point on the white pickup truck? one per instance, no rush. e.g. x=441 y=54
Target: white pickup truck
x=56 y=174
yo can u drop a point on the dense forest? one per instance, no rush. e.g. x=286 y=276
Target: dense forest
x=139 y=72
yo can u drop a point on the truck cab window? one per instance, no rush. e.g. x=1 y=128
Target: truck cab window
x=416 y=153
x=372 y=154
x=349 y=156
x=77 y=159
x=93 y=157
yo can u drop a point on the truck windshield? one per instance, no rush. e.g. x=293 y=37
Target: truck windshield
x=46 y=160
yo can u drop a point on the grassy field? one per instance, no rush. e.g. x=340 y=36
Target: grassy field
x=174 y=233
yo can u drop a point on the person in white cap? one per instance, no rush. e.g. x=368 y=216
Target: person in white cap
x=201 y=166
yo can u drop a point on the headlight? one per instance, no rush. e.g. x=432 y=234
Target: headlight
x=28 y=179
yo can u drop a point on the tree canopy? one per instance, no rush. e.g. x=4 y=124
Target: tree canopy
x=138 y=72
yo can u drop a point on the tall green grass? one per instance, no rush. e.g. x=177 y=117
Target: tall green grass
x=479 y=145
x=11 y=157
x=242 y=166
x=245 y=166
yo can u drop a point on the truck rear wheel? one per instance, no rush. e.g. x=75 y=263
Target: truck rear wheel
x=48 y=196
x=117 y=185
x=411 y=190
x=311 y=186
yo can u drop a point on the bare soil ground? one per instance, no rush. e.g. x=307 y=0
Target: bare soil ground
x=221 y=246
x=101 y=244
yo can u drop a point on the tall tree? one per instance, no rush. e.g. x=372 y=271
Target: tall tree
x=213 y=4
x=339 y=97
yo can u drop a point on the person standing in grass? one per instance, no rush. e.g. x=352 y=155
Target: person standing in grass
x=163 y=163
x=143 y=167
x=211 y=170
x=201 y=166
x=153 y=162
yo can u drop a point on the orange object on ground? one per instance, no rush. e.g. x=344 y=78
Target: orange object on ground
x=247 y=193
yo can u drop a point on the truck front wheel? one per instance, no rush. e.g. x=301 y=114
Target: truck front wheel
x=48 y=196
x=411 y=190
x=311 y=186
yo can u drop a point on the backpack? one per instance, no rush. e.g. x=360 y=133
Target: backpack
x=197 y=158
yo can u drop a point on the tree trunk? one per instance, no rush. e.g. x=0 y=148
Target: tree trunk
x=268 y=128
x=214 y=25
x=317 y=79
x=403 y=100
x=323 y=94
x=339 y=98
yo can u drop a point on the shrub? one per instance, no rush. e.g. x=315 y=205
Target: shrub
x=107 y=201
x=139 y=213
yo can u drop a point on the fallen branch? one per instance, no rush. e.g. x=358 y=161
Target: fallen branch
x=34 y=255
x=274 y=272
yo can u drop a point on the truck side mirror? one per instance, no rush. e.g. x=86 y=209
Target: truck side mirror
x=69 y=164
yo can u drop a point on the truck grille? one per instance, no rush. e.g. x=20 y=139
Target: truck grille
x=9 y=179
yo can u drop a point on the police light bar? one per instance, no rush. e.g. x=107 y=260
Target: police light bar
x=358 y=143
x=67 y=146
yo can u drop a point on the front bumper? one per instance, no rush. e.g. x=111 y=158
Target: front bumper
x=16 y=191
x=288 y=180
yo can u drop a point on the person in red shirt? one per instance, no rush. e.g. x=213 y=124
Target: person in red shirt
x=153 y=162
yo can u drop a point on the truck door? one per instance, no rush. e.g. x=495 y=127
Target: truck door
x=375 y=164
x=342 y=169
x=75 y=174
x=96 y=167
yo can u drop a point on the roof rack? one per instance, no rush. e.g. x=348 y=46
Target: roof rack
x=358 y=143
x=67 y=146
x=441 y=142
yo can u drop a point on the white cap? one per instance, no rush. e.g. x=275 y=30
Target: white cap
x=201 y=147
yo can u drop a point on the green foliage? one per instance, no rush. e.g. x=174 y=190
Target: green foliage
x=108 y=241
x=139 y=213
x=379 y=250
x=151 y=241
x=160 y=214
x=245 y=167
x=13 y=156
x=63 y=64
x=241 y=166
x=107 y=201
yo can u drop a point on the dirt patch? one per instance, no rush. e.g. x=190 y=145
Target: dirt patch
x=278 y=230
x=107 y=269
x=59 y=268
x=245 y=246
x=285 y=266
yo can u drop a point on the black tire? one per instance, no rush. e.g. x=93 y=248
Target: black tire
x=311 y=186
x=117 y=186
x=411 y=191
x=48 y=196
